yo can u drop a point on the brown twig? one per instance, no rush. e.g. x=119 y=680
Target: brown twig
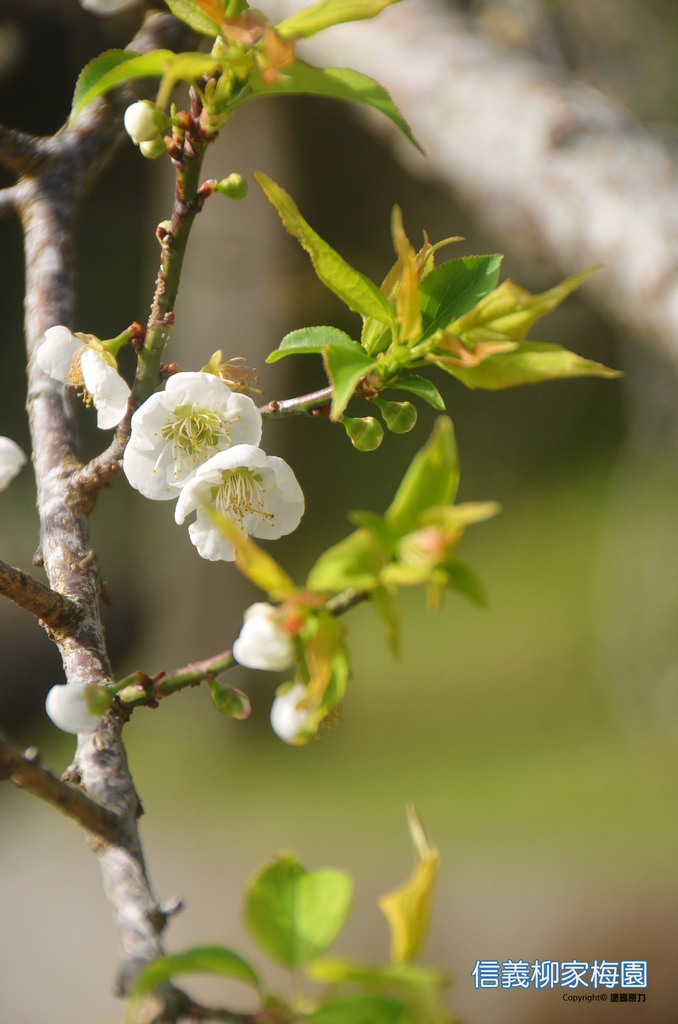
x=55 y=610
x=70 y=800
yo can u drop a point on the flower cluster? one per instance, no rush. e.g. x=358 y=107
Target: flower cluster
x=197 y=441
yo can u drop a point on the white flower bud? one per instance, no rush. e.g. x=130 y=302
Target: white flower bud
x=11 y=460
x=153 y=149
x=144 y=121
x=77 y=707
x=287 y=719
x=262 y=642
x=107 y=7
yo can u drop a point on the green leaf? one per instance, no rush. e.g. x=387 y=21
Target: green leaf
x=294 y=914
x=229 y=701
x=192 y=13
x=93 y=72
x=352 y=287
x=354 y=562
x=252 y=561
x=200 y=959
x=431 y=479
x=509 y=311
x=377 y=524
x=360 y=1010
x=345 y=365
x=464 y=580
x=157 y=63
x=387 y=607
x=423 y=388
x=528 y=363
x=455 y=287
x=337 y=971
x=309 y=339
x=337 y=83
x=325 y=13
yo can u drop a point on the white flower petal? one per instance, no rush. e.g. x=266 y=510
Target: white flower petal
x=287 y=719
x=67 y=707
x=258 y=492
x=262 y=642
x=57 y=352
x=12 y=459
x=107 y=7
x=109 y=391
x=179 y=429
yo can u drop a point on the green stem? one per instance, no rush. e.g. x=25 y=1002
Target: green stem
x=138 y=688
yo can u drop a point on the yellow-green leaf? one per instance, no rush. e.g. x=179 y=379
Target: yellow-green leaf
x=357 y=291
x=253 y=562
x=408 y=908
x=528 y=363
x=325 y=13
x=408 y=303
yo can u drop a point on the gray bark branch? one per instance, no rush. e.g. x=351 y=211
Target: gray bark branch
x=46 y=198
x=54 y=610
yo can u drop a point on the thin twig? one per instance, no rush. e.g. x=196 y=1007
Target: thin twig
x=303 y=405
x=141 y=689
x=56 y=610
x=70 y=800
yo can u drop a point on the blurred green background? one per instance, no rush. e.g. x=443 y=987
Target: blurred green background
x=537 y=738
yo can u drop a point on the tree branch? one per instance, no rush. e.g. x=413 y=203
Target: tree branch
x=54 y=610
x=304 y=405
x=27 y=773
x=546 y=164
x=46 y=202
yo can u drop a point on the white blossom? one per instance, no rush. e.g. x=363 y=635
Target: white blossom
x=77 y=707
x=67 y=358
x=177 y=430
x=256 y=491
x=144 y=121
x=12 y=459
x=287 y=719
x=263 y=642
x=107 y=7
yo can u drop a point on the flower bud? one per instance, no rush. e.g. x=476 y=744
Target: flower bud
x=153 y=148
x=11 y=460
x=399 y=417
x=144 y=121
x=233 y=187
x=77 y=707
x=365 y=434
x=288 y=720
x=263 y=643
x=106 y=7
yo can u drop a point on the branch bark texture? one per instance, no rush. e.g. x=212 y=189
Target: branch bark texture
x=45 y=198
x=548 y=165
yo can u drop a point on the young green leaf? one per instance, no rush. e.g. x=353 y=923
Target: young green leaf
x=360 y=1010
x=193 y=13
x=352 y=287
x=93 y=72
x=408 y=301
x=345 y=366
x=336 y=83
x=509 y=311
x=431 y=479
x=354 y=562
x=529 y=363
x=310 y=340
x=294 y=914
x=462 y=578
x=387 y=607
x=325 y=13
x=423 y=388
x=229 y=701
x=157 y=63
x=199 y=960
x=455 y=287
x=253 y=562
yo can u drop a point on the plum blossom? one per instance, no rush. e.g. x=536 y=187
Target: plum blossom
x=263 y=642
x=11 y=460
x=287 y=718
x=177 y=430
x=256 y=491
x=77 y=362
x=77 y=707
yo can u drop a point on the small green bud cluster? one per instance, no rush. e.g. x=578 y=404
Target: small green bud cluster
x=233 y=187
